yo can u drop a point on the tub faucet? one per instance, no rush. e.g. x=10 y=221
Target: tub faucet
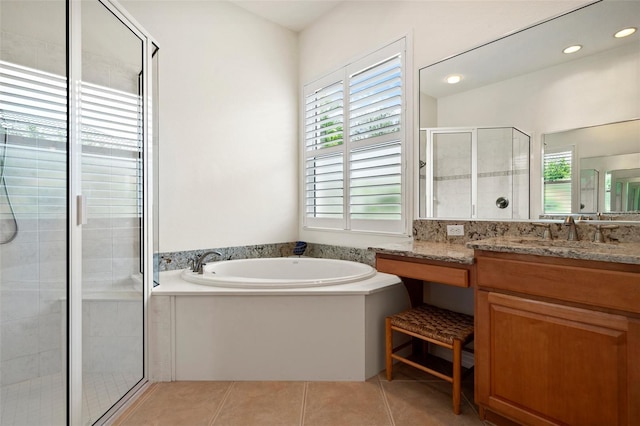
x=573 y=232
x=197 y=265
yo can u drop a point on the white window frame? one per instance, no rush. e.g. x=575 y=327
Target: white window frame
x=404 y=135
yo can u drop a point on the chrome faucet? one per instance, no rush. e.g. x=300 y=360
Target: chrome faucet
x=546 y=235
x=598 y=237
x=199 y=261
x=573 y=232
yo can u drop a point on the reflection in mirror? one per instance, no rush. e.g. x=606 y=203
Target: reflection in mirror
x=624 y=193
x=592 y=169
x=525 y=81
x=478 y=173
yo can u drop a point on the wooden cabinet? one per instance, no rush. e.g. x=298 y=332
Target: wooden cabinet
x=557 y=341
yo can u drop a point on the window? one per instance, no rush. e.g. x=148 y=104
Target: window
x=354 y=145
x=557 y=181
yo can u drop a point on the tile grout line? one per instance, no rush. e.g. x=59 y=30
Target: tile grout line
x=471 y=404
x=386 y=403
x=224 y=400
x=304 y=402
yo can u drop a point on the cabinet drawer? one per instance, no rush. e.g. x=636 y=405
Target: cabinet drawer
x=426 y=272
x=605 y=288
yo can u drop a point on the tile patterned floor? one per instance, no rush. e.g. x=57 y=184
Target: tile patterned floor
x=412 y=398
x=42 y=400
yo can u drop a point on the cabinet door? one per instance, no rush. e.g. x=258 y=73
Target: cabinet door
x=542 y=363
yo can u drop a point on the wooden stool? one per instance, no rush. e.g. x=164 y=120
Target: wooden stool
x=451 y=330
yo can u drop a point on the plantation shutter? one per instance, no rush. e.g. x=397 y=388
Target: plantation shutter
x=353 y=144
x=376 y=134
x=324 y=153
x=34 y=156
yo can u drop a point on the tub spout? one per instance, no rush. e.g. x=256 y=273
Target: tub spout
x=199 y=262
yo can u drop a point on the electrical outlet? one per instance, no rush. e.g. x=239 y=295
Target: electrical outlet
x=455 y=230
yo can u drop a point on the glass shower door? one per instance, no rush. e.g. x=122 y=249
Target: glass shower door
x=33 y=215
x=111 y=129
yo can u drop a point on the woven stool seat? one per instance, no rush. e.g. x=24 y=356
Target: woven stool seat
x=435 y=323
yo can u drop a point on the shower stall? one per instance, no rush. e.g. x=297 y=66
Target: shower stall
x=477 y=173
x=77 y=123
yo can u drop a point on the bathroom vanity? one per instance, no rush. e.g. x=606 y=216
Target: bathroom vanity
x=557 y=338
x=557 y=335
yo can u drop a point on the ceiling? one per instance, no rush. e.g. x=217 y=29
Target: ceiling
x=539 y=47
x=295 y=15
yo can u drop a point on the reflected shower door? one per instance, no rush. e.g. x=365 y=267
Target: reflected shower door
x=495 y=173
x=111 y=184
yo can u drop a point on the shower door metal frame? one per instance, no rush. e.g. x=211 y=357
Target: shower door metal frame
x=75 y=203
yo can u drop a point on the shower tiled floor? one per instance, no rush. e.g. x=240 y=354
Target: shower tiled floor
x=412 y=398
x=42 y=400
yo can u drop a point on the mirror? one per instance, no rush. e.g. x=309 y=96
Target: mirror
x=524 y=81
x=592 y=169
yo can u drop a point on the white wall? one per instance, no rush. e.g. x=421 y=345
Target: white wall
x=221 y=187
x=438 y=29
x=228 y=124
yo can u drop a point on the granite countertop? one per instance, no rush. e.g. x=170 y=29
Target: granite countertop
x=464 y=254
x=585 y=250
x=443 y=252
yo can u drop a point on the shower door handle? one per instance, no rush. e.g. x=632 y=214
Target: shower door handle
x=81 y=206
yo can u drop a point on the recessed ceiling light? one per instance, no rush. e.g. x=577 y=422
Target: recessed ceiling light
x=625 y=32
x=453 y=79
x=572 y=49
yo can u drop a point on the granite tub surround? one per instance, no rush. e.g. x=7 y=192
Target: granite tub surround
x=171 y=261
x=341 y=253
x=418 y=249
x=612 y=252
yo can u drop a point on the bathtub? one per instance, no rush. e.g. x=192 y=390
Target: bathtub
x=272 y=319
x=281 y=272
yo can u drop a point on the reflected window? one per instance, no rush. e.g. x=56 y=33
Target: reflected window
x=557 y=181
